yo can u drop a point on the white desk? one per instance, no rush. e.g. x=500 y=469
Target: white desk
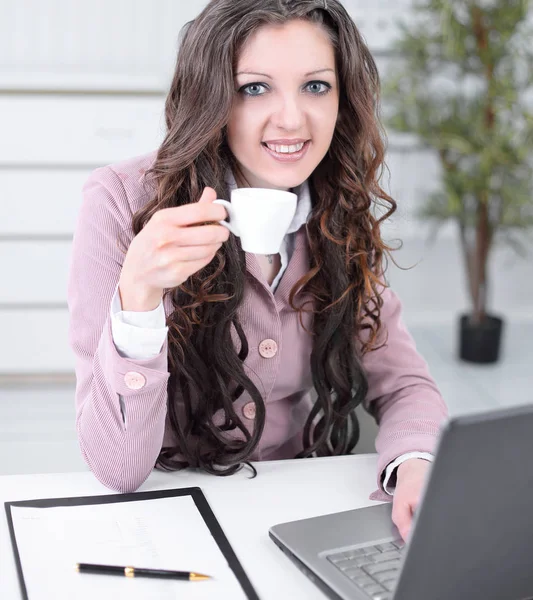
x=246 y=508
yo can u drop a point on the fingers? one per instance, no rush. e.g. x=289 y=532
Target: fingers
x=410 y=482
x=196 y=236
x=184 y=254
x=402 y=517
x=203 y=211
x=176 y=243
x=208 y=196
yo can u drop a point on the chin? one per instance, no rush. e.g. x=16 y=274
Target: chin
x=286 y=182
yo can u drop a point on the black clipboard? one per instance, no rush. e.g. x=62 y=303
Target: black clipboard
x=195 y=492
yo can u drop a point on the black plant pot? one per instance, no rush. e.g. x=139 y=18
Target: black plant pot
x=480 y=343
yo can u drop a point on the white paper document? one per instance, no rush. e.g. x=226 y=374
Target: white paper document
x=166 y=533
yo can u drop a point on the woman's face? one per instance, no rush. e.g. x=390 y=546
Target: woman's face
x=287 y=97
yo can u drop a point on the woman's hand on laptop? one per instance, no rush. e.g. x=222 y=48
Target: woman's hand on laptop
x=410 y=479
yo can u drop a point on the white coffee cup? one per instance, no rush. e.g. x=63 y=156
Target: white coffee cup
x=260 y=217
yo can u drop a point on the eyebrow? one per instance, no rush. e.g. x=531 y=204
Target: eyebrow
x=269 y=77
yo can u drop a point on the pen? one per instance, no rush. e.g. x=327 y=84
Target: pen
x=134 y=572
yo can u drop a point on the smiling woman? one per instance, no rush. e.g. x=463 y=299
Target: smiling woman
x=281 y=126
x=193 y=353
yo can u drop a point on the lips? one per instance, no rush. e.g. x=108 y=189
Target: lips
x=285 y=148
x=287 y=157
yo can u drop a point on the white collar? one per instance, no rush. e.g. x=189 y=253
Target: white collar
x=303 y=207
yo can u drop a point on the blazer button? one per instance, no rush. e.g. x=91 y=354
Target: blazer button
x=268 y=348
x=134 y=380
x=248 y=410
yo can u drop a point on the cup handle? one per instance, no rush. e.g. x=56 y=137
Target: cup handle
x=231 y=213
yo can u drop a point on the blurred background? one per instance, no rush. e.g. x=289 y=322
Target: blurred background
x=82 y=85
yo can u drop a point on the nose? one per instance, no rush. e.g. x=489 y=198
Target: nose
x=289 y=113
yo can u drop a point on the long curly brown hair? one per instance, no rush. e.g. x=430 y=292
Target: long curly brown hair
x=343 y=233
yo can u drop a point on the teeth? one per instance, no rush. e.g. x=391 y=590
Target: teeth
x=286 y=149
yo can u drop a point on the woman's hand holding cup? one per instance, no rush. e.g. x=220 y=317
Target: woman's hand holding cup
x=173 y=245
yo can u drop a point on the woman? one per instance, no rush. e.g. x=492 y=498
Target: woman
x=191 y=352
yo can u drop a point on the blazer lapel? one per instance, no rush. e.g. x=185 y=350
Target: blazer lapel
x=297 y=267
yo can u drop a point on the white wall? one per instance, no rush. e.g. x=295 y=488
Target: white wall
x=82 y=84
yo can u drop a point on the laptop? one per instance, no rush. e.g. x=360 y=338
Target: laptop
x=472 y=535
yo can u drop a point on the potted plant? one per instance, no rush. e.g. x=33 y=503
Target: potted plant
x=461 y=81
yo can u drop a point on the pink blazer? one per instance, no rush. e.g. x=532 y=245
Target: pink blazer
x=122 y=450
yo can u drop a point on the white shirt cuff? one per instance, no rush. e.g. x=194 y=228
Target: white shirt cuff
x=396 y=463
x=137 y=335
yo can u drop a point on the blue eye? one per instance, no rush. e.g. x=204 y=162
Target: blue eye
x=247 y=90
x=250 y=86
x=320 y=83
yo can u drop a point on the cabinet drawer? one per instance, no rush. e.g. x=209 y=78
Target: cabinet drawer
x=34 y=272
x=78 y=130
x=39 y=201
x=35 y=341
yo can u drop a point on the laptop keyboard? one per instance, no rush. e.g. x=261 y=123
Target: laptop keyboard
x=374 y=569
